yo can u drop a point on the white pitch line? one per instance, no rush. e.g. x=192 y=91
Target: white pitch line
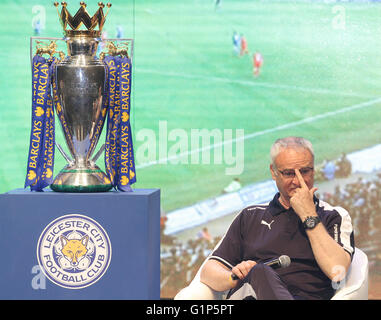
x=263 y=132
x=254 y=83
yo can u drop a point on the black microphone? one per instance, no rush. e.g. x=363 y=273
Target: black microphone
x=281 y=262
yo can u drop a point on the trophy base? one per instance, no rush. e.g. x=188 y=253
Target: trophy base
x=81 y=180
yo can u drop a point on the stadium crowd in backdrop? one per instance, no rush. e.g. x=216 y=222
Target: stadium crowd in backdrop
x=331 y=169
x=181 y=261
x=164 y=238
x=204 y=234
x=363 y=199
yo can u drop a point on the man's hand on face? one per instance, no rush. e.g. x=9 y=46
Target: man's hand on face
x=302 y=201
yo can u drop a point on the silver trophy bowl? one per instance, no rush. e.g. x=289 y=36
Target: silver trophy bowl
x=81 y=87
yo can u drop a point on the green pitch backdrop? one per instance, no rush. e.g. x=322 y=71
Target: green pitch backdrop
x=320 y=80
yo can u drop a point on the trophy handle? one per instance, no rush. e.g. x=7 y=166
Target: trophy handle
x=116 y=46
x=64 y=154
x=98 y=154
x=49 y=51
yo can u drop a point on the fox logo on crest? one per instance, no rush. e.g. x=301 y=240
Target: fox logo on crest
x=74 y=250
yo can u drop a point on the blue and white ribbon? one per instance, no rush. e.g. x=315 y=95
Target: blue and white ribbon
x=119 y=158
x=41 y=147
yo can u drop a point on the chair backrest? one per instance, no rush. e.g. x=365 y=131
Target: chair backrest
x=355 y=286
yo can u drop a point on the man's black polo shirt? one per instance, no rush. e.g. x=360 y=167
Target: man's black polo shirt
x=265 y=232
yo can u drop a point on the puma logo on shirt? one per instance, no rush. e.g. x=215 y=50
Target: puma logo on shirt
x=267 y=224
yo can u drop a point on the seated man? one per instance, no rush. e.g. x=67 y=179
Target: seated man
x=316 y=236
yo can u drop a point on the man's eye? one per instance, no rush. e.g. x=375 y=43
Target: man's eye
x=305 y=171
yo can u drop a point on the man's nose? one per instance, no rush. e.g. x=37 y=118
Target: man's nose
x=295 y=181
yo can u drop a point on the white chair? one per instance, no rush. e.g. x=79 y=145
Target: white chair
x=355 y=286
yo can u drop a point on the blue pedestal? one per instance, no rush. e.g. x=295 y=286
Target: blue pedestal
x=92 y=245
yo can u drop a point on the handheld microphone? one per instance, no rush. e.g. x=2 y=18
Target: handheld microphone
x=281 y=262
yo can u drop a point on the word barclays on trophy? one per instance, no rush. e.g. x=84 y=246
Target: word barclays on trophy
x=84 y=89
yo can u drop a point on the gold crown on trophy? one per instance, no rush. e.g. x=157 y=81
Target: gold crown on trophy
x=82 y=17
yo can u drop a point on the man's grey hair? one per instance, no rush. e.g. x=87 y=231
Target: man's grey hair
x=290 y=142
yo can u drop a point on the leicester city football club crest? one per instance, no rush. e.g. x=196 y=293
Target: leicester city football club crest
x=74 y=251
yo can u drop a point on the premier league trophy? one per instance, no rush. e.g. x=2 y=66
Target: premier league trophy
x=84 y=90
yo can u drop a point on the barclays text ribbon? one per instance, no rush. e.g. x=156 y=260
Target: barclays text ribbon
x=41 y=148
x=119 y=159
x=126 y=160
x=110 y=145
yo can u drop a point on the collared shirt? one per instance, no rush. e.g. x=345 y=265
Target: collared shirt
x=265 y=232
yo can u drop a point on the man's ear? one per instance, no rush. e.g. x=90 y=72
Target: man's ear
x=272 y=170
